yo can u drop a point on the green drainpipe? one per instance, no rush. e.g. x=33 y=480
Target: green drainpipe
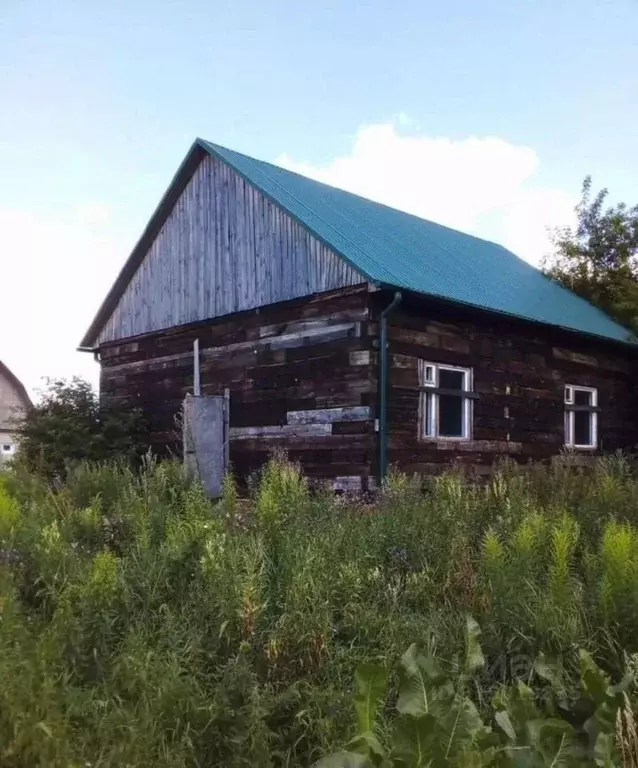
x=383 y=387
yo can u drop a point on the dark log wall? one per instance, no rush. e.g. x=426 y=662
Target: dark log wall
x=520 y=371
x=303 y=376
x=299 y=378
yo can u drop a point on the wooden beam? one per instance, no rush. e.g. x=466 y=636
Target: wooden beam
x=295 y=430
x=330 y=415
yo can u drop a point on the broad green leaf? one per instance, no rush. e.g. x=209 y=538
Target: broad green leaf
x=603 y=720
x=475 y=758
x=604 y=750
x=556 y=742
x=475 y=659
x=521 y=706
x=505 y=724
x=517 y=757
x=424 y=686
x=459 y=724
x=367 y=743
x=417 y=742
x=371 y=680
x=594 y=682
x=487 y=740
x=343 y=760
x=550 y=672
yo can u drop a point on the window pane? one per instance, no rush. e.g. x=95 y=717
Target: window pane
x=451 y=379
x=429 y=431
x=582 y=397
x=582 y=428
x=450 y=416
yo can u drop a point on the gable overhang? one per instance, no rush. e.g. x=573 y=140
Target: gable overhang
x=198 y=151
x=184 y=174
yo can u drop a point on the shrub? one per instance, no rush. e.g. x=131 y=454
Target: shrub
x=70 y=424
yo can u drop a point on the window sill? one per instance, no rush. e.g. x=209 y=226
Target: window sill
x=445 y=440
x=469 y=445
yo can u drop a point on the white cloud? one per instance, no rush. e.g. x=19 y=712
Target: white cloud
x=93 y=214
x=480 y=185
x=55 y=271
x=53 y=276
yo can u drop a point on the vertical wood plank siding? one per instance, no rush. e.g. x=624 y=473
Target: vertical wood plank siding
x=224 y=248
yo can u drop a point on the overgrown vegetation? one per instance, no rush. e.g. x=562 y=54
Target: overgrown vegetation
x=140 y=625
x=436 y=723
x=69 y=424
x=598 y=258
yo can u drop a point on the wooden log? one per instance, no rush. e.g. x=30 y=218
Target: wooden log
x=287 y=431
x=329 y=415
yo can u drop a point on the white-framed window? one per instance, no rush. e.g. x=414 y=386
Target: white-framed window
x=581 y=416
x=7 y=448
x=446 y=401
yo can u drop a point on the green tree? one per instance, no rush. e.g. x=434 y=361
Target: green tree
x=70 y=423
x=598 y=258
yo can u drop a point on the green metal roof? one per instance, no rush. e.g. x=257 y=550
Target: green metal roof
x=397 y=249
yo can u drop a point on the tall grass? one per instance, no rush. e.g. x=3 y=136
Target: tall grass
x=141 y=625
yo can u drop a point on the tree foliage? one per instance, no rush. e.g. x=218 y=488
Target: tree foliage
x=70 y=423
x=598 y=258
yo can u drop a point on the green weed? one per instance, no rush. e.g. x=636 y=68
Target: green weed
x=141 y=624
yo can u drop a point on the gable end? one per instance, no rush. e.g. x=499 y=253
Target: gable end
x=220 y=246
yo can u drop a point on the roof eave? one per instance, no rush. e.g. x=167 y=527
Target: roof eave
x=631 y=341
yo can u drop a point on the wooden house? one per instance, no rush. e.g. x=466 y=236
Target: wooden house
x=353 y=335
x=14 y=401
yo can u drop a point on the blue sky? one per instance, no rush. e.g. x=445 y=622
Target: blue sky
x=485 y=116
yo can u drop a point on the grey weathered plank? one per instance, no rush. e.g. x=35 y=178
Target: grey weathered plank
x=347 y=483
x=283 y=341
x=360 y=357
x=296 y=430
x=330 y=415
x=223 y=248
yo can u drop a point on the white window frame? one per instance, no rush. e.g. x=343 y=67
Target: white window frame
x=428 y=406
x=570 y=418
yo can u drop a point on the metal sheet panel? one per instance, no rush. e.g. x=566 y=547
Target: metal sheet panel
x=404 y=251
x=205 y=433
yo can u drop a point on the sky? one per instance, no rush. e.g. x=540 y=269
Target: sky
x=482 y=116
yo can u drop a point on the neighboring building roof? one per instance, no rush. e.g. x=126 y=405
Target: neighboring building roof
x=17 y=385
x=394 y=249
